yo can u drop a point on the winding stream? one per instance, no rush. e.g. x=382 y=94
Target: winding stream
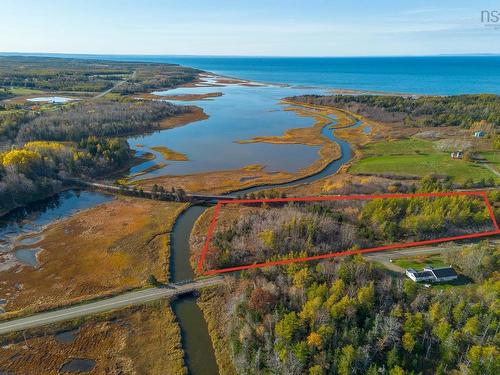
x=199 y=353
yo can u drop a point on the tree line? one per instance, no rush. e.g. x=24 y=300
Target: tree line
x=37 y=169
x=457 y=110
x=104 y=118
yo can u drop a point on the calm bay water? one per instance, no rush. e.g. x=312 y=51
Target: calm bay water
x=41 y=213
x=245 y=112
x=241 y=113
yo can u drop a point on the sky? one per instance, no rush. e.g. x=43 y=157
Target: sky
x=252 y=28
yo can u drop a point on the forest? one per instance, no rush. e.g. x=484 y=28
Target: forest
x=10 y=123
x=43 y=144
x=457 y=110
x=349 y=316
x=86 y=75
x=103 y=118
x=4 y=94
x=37 y=170
x=157 y=77
x=266 y=233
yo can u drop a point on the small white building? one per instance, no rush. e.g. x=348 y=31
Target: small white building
x=432 y=274
x=457 y=155
x=479 y=134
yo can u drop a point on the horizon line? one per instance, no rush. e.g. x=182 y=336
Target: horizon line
x=243 y=56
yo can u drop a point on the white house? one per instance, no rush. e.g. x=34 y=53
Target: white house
x=432 y=274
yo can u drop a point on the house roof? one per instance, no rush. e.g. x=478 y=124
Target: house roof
x=422 y=274
x=444 y=272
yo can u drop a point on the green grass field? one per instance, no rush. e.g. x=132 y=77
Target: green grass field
x=493 y=157
x=20 y=91
x=402 y=147
x=418 y=263
x=418 y=157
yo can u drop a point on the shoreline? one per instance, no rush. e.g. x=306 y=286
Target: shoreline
x=246 y=175
x=180 y=97
x=196 y=114
x=6 y=212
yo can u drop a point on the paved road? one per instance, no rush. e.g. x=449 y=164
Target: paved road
x=491 y=168
x=115 y=86
x=384 y=256
x=122 y=300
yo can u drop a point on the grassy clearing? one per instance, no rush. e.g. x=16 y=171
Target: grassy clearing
x=416 y=157
x=493 y=157
x=112 y=96
x=462 y=282
x=419 y=262
x=401 y=147
x=18 y=91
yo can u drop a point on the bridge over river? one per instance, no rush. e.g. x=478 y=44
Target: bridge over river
x=111 y=303
x=107 y=187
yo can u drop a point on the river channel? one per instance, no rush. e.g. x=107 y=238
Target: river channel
x=199 y=353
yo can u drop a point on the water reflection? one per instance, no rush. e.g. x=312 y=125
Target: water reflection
x=240 y=113
x=22 y=227
x=78 y=365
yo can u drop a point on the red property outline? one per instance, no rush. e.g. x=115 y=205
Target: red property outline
x=348 y=252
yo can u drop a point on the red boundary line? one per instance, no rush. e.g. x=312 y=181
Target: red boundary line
x=482 y=194
x=210 y=230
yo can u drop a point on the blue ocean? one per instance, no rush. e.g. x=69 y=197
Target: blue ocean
x=437 y=75
x=440 y=75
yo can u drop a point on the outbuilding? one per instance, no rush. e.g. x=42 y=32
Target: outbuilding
x=457 y=155
x=479 y=134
